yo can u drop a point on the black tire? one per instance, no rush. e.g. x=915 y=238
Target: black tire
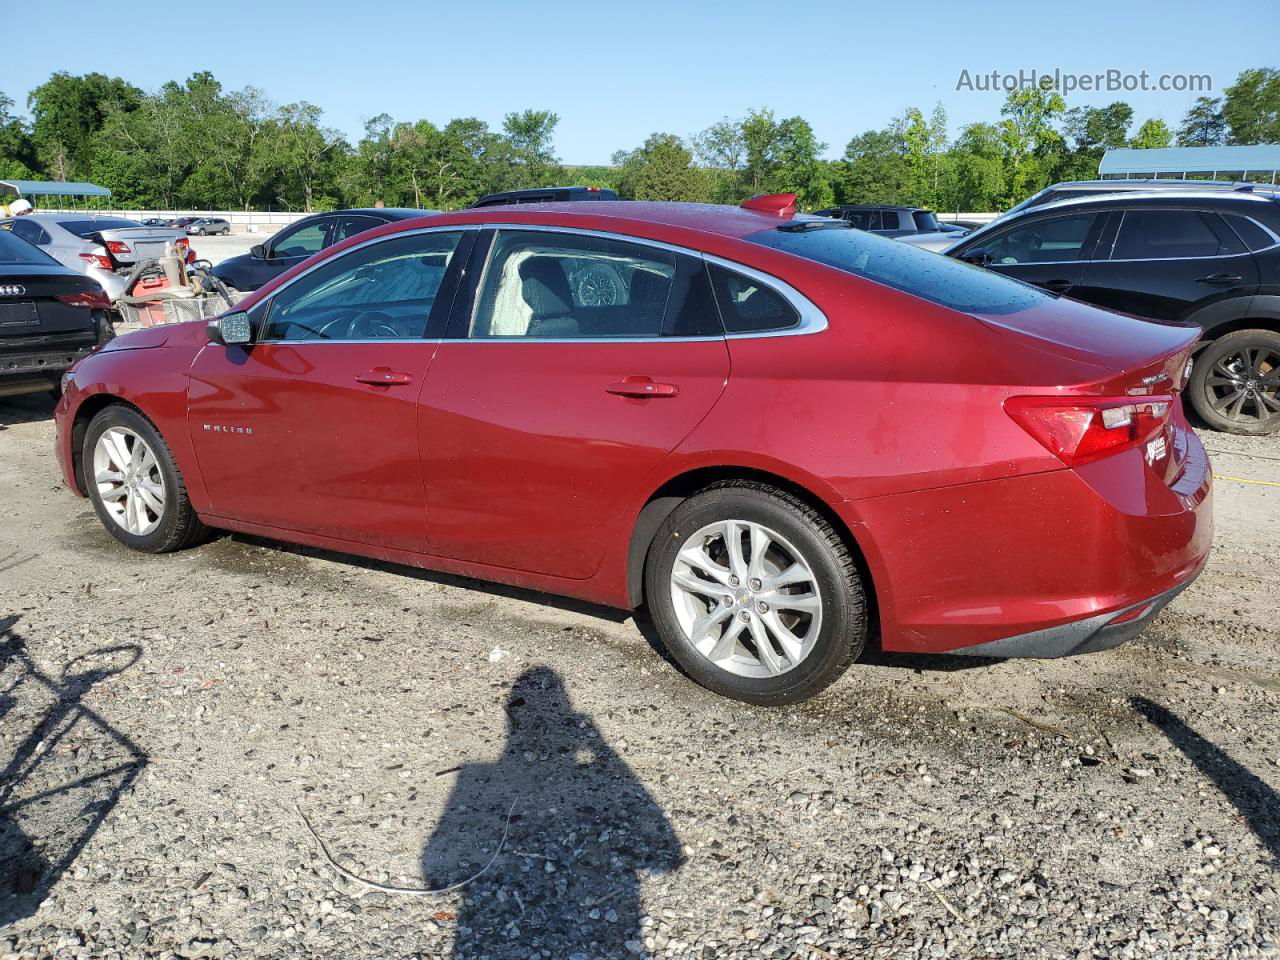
x=178 y=526
x=1221 y=374
x=842 y=633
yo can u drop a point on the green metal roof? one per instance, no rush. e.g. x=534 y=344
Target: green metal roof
x=1264 y=156
x=55 y=188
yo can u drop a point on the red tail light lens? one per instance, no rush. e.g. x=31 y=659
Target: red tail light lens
x=118 y=246
x=97 y=260
x=1079 y=429
x=93 y=299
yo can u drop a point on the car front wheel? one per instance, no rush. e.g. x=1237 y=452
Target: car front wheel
x=135 y=485
x=755 y=595
x=1235 y=382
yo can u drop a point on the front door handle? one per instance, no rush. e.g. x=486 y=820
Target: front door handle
x=641 y=388
x=1058 y=286
x=1219 y=278
x=384 y=377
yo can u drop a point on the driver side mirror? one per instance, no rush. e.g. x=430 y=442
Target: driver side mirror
x=258 y=252
x=980 y=256
x=231 y=329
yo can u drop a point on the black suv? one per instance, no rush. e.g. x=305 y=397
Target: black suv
x=888 y=221
x=266 y=261
x=545 y=195
x=1209 y=258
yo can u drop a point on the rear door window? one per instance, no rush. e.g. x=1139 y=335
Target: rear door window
x=1171 y=235
x=350 y=226
x=571 y=287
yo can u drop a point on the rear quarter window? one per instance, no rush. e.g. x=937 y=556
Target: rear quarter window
x=930 y=276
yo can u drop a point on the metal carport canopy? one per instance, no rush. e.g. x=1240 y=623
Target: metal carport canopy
x=55 y=188
x=1124 y=160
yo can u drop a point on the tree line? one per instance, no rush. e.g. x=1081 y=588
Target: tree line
x=195 y=145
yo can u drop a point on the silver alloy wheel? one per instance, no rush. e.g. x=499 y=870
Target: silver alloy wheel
x=746 y=598
x=129 y=480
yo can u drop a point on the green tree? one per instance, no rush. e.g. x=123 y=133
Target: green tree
x=661 y=169
x=1153 y=133
x=1033 y=148
x=873 y=169
x=67 y=110
x=977 y=159
x=530 y=135
x=1203 y=125
x=1251 y=107
x=17 y=151
x=721 y=150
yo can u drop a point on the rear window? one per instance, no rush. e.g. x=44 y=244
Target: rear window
x=926 y=222
x=1254 y=236
x=930 y=276
x=83 y=228
x=16 y=250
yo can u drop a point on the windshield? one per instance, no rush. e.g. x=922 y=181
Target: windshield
x=912 y=270
x=16 y=250
x=83 y=228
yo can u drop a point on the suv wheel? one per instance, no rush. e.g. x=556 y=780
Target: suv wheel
x=755 y=595
x=1235 y=382
x=134 y=483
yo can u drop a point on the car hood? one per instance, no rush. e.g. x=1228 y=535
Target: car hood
x=191 y=333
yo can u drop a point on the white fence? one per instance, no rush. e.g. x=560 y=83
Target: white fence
x=242 y=221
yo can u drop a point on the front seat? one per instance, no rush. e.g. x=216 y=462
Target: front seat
x=545 y=289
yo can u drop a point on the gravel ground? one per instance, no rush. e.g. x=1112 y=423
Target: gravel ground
x=166 y=721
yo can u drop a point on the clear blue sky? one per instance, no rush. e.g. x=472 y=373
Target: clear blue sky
x=616 y=73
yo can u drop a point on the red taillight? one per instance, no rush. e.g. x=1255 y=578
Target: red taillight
x=97 y=260
x=118 y=246
x=1079 y=429
x=93 y=299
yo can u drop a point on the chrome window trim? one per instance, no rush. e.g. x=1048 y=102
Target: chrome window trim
x=270 y=301
x=812 y=319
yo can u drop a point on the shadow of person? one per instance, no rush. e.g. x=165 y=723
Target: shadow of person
x=583 y=832
x=54 y=793
x=1257 y=802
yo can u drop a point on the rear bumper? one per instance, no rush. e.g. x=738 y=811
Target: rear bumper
x=37 y=370
x=1090 y=635
x=1046 y=564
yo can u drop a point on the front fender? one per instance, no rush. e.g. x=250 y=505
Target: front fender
x=154 y=381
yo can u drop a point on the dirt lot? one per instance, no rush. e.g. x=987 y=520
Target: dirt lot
x=165 y=720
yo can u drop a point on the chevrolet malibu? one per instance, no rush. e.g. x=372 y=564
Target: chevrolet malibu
x=787 y=438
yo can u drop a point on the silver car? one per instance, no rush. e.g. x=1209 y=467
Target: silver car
x=103 y=248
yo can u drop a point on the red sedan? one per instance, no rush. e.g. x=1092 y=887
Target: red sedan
x=786 y=437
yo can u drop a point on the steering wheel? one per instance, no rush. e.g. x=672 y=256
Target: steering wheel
x=372 y=325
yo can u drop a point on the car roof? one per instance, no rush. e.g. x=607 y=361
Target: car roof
x=876 y=206
x=638 y=216
x=1140 y=198
x=1148 y=183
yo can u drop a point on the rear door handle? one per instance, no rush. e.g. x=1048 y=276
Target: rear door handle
x=1216 y=278
x=1058 y=286
x=384 y=377
x=642 y=388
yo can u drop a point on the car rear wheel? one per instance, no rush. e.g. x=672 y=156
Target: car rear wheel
x=1235 y=382
x=755 y=595
x=135 y=485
